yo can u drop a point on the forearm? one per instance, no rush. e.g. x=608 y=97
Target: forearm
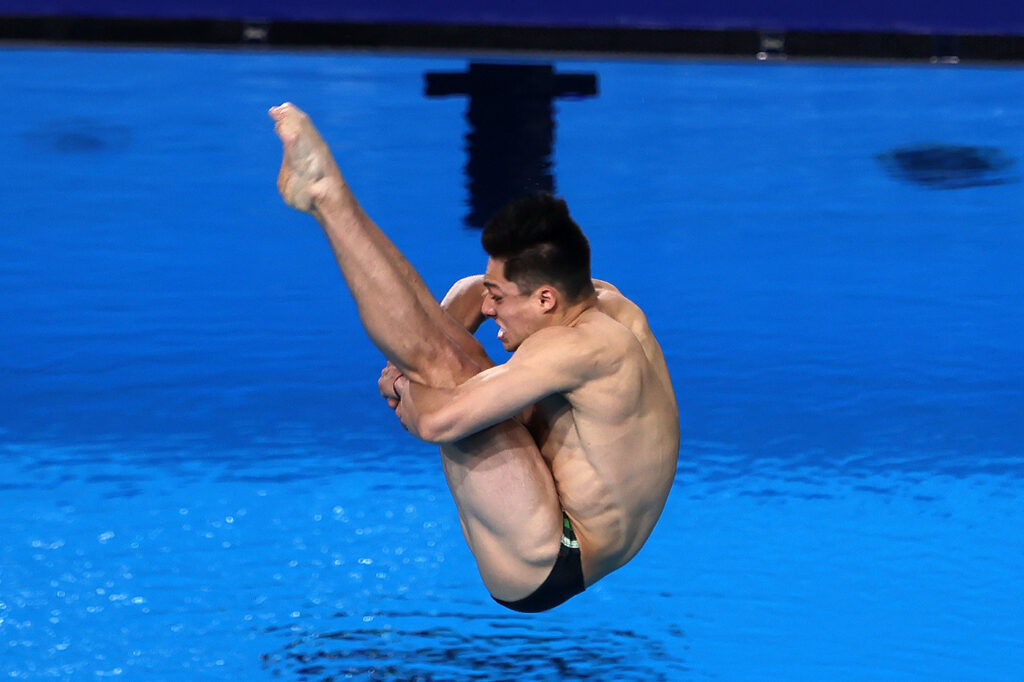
x=422 y=411
x=447 y=415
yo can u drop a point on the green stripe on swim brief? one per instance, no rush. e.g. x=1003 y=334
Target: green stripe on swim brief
x=568 y=536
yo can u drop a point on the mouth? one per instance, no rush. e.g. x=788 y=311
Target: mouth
x=501 y=333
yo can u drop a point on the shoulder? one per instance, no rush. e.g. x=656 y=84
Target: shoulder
x=611 y=302
x=594 y=347
x=601 y=285
x=473 y=284
x=556 y=341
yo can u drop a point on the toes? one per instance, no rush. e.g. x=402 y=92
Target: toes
x=289 y=121
x=284 y=112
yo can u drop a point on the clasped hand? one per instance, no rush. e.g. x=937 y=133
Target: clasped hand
x=386 y=385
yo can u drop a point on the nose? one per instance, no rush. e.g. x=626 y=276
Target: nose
x=487 y=307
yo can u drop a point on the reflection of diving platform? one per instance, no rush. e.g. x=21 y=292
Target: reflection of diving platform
x=511 y=128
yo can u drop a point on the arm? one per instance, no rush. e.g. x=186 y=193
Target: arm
x=463 y=300
x=551 y=361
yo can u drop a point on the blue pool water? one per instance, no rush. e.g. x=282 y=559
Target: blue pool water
x=199 y=481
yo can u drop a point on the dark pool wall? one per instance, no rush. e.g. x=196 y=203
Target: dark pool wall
x=1000 y=17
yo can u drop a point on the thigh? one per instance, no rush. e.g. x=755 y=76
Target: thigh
x=508 y=507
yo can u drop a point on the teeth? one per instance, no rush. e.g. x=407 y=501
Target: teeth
x=501 y=334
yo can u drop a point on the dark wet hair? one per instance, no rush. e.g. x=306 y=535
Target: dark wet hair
x=540 y=244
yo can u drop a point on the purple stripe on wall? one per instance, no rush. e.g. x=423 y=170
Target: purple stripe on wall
x=1002 y=17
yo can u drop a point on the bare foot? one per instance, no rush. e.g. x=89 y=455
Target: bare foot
x=308 y=170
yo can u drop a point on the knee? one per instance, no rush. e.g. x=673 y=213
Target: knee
x=448 y=366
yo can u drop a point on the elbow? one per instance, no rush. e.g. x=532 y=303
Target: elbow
x=436 y=429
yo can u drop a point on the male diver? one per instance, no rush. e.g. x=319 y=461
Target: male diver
x=559 y=460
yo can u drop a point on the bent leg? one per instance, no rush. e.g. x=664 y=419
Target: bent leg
x=508 y=507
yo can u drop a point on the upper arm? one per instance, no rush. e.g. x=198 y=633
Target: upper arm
x=463 y=300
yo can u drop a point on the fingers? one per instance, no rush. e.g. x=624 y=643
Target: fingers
x=400 y=411
x=386 y=390
x=386 y=384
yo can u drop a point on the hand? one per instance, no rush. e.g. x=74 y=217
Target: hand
x=401 y=410
x=386 y=384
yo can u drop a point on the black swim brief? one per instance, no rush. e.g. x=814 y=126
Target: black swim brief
x=564 y=581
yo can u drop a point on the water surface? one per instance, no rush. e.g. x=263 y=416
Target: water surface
x=200 y=482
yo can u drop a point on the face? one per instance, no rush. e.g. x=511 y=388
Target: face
x=517 y=314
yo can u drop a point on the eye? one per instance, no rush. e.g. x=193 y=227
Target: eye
x=496 y=299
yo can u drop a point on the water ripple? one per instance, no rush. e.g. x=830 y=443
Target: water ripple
x=436 y=646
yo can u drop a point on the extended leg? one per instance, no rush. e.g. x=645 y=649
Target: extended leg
x=503 y=488
x=397 y=310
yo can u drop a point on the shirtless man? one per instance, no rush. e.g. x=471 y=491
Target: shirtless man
x=559 y=460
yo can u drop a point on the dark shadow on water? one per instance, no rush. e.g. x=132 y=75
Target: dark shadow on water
x=78 y=135
x=940 y=166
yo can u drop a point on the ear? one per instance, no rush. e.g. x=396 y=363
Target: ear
x=547 y=298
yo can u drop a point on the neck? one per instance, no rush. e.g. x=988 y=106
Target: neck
x=572 y=313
